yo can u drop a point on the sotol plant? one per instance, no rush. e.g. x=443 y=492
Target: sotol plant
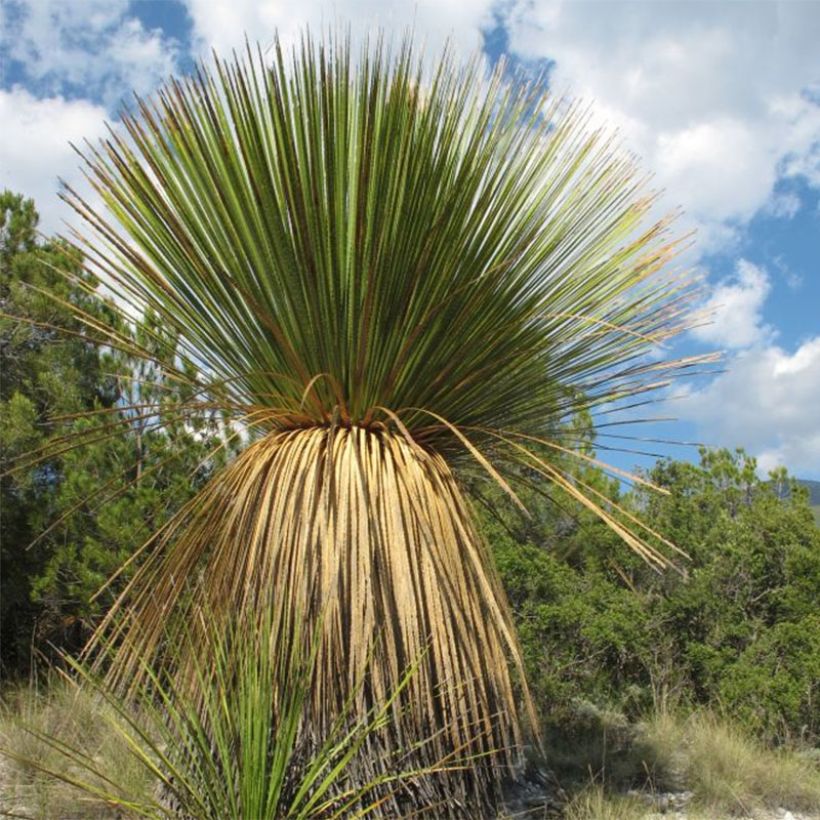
x=387 y=276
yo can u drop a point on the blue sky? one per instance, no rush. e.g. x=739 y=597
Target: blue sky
x=720 y=100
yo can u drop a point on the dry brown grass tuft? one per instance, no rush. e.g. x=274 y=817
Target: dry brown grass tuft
x=593 y=803
x=728 y=771
x=75 y=717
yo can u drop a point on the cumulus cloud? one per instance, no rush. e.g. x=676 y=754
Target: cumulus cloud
x=719 y=99
x=90 y=48
x=768 y=402
x=784 y=205
x=35 y=148
x=223 y=24
x=735 y=310
x=721 y=102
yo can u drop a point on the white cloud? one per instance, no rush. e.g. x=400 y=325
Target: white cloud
x=784 y=205
x=768 y=402
x=735 y=309
x=717 y=98
x=223 y=24
x=803 y=116
x=721 y=102
x=793 y=280
x=708 y=167
x=78 y=59
x=91 y=47
x=35 y=147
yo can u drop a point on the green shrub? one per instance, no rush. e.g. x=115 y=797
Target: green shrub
x=774 y=687
x=583 y=636
x=739 y=633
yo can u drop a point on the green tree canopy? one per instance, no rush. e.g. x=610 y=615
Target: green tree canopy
x=72 y=515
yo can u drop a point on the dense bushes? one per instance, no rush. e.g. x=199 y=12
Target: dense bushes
x=773 y=687
x=583 y=636
x=739 y=633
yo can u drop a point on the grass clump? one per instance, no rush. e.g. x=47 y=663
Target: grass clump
x=33 y=781
x=707 y=766
x=727 y=770
x=595 y=803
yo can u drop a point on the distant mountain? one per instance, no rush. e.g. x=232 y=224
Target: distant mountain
x=812 y=486
x=814 y=490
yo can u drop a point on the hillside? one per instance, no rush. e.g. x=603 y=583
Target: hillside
x=814 y=490
x=814 y=496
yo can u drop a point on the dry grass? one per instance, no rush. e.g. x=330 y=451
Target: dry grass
x=727 y=770
x=593 y=803
x=75 y=717
x=728 y=773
